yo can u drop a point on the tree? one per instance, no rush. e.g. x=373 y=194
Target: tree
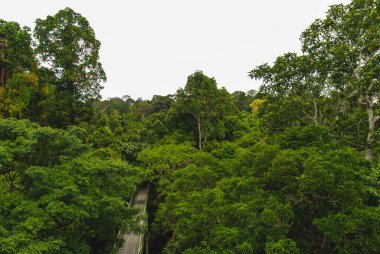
x=162 y=161
x=22 y=223
x=66 y=43
x=19 y=94
x=162 y=103
x=16 y=53
x=345 y=46
x=207 y=105
x=18 y=81
x=242 y=99
x=57 y=195
x=292 y=90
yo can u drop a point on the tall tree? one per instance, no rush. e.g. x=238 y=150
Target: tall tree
x=346 y=47
x=66 y=43
x=292 y=77
x=17 y=69
x=207 y=104
x=16 y=53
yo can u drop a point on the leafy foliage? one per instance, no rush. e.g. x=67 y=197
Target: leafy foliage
x=291 y=168
x=67 y=45
x=57 y=194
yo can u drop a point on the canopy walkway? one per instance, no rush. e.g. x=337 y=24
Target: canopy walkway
x=134 y=243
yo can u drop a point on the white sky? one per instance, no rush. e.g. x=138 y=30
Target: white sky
x=151 y=46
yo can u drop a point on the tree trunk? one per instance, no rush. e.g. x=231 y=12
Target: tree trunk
x=198 y=120
x=70 y=90
x=199 y=134
x=4 y=56
x=371 y=128
x=315 y=117
x=2 y=77
x=72 y=114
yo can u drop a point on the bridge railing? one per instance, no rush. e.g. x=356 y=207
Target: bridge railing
x=145 y=223
x=143 y=211
x=119 y=234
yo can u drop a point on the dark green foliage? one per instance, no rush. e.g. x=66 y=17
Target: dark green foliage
x=292 y=168
x=72 y=54
x=312 y=135
x=57 y=196
x=242 y=99
x=18 y=81
x=356 y=231
x=279 y=201
x=333 y=82
x=206 y=105
x=256 y=159
x=16 y=54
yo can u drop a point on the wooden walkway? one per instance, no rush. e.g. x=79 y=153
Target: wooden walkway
x=133 y=243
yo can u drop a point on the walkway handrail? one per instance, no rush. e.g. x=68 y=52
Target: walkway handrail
x=142 y=236
x=130 y=206
x=133 y=242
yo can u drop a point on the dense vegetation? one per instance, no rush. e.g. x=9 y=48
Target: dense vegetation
x=290 y=168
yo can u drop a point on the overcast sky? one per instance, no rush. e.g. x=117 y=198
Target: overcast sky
x=150 y=47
